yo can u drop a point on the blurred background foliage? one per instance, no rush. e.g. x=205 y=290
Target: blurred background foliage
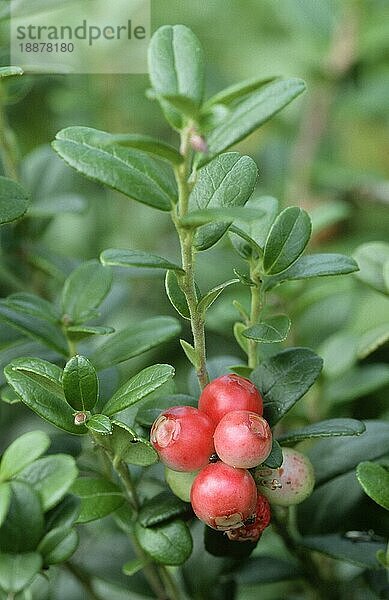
x=327 y=152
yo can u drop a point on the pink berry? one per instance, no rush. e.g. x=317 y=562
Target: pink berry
x=227 y=393
x=251 y=532
x=292 y=483
x=223 y=497
x=182 y=436
x=243 y=439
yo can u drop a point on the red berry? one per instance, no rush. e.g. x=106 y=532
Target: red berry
x=251 y=532
x=229 y=392
x=182 y=436
x=291 y=483
x=223 y=497
x=243 y=439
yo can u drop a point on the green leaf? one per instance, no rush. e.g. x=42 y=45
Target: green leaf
x=134 y=566
x=132 y=172
x=227 y=181
x=287 y=239
x=23 y=451
x=356 y=383
x=372 y=339
x=339 y=352
x=176 y=64
x=275 y=458
x=209 y=298
x=99 y=424
x=58 y=545
x=127 y=445
x=284 y=378
x=237 y=90
x=34 y=305
x=314 y=265
x=334 y=456
x=5 y=499
x=63 y=514
x=134 y=340
x=37 y=328
x=168 y=544
x=136 y=258
x=190 y=353
x=80 y=383
x=53 y=205
x=267 y=569
x=10 y=71
x=163 y=507
x=219 y=215
x=323 y=429
x=38 y=383
x=80 y=332
x=374 y=479
x=18 y=570
x=176 y=295
x=99 y=498
x=256 y=231
x=371 y=258
x=239 y=327
x=337 y=546
x=84 y=290
x=138 y=387
x=23 y=527
x=51 y=477
x=148 y=144
x=151 y=409
x=251 y=113
x=14 y=200
x=275 y=329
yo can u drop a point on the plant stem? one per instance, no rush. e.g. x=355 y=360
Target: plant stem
x=187 y=280
x=255 y=311
x=170 y=584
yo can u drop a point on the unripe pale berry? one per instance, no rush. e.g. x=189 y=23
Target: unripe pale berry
x=251 y=532
x=227 y=393
x=292 y=483
x=183 y=438
x=223 y=497
x=243 y=439
x=180 y=483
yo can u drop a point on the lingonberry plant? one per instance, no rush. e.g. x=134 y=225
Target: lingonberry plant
x=236 y=409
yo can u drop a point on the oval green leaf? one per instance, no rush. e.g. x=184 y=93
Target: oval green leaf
x=323 y=429
x=23 y=527
x=136 y=258
x=14 y=200
x=99 y=498
x=80 y=383
x=275 y=329
x=99 y=424
x=374 y=479
x=162 y=507
x=18 y=570
x=23 y=451
x=168 y=544
x=58 y=545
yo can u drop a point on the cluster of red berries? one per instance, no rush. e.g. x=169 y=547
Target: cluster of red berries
x=228 y=425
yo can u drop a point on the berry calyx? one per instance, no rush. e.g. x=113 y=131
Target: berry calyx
x=183 y=438
x=251 y=532
x=180 y=483
x=223 y=497
x=227 y=393
x=243 y=439
x=291 y=483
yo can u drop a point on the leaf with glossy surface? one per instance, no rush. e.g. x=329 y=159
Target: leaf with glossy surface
x=51 y=477
x=209 y=298
x=58 y=545
x=132 y=172
x=314 y=265
x=168 y=544
x=274 y=329
x=85 y=289
x=127 y=445
x=287 y=239
x=37 y=328
x=374 y=480
x=251 y=113
x=163 y=507
x=5 y=499
x=23 y=527
x=134 y=340
x=14 y=200
x=139 y=386
x=323 y=429
x=136 y=258
x=99 y=498
x=23 y=451
x=80 y=383
x=39 y=385
x=176 y=64
x=151 y=409
x=339 y=547
x=284 y=378
x=227 y=181
x=18 y=570
x=99 y=424
x=371 y=258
